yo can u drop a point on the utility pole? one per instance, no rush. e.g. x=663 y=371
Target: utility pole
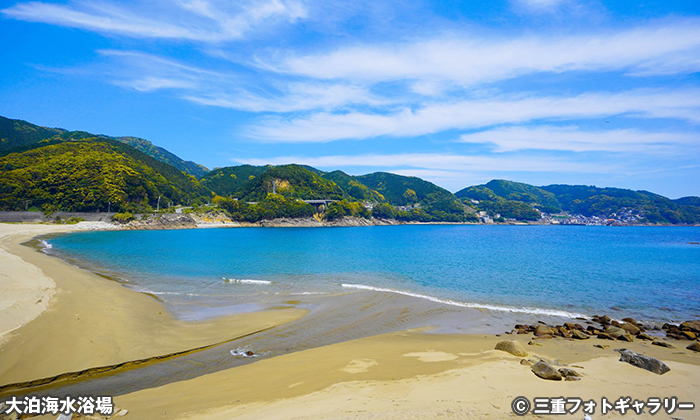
x=158 y=207
x=26 y=205
x=109 y=206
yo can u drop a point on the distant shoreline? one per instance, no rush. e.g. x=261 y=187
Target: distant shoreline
x=218 y=219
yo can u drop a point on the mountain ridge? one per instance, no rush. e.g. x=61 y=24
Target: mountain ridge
x=31 y=154
x=18 y=135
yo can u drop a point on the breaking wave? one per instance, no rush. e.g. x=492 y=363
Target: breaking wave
x=245 y=281
x=512 y=309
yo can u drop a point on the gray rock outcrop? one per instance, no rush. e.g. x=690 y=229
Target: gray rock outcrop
x=642 y=361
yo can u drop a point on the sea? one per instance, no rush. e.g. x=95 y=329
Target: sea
x=648 y=273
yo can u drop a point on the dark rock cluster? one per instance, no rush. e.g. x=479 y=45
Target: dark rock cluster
x=610 y=329
x=689 y=330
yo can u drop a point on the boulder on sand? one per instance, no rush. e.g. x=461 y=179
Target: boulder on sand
x=642 y=361
x=694 y=347
x=662 y=344
x=630 y=328
x=543 y=331
x=513 y=347
x=545 y=371
x=579 y=335
x=569 y=374
x=693 y=326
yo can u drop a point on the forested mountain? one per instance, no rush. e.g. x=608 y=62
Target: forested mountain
x=393 y=196
x=19 y=135
x=51 y=169
x=526 y=202
x=92 y=176
x=229 y=180
x=654 y=208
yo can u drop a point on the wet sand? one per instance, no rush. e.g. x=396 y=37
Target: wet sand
x=413 y=375
x=91 y=321
x=358 y=355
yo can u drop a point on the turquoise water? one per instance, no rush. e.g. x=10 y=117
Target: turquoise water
x=651 y=273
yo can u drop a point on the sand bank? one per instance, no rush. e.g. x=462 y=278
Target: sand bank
x=57 y=318
x=416 y=376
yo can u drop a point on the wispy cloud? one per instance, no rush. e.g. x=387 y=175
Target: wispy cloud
x=437 y=162
x=572 y=138
x=290 y=97
x=192 y=20
x=479 y=113
x=538 y=6
x=468 y=60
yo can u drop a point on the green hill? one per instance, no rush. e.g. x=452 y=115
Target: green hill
x=354 y=188
x=229 y=180
x=602 y=202
x=512 y=191
x=290 y=181
x=19 y=135
x=92 y=176
x=407 y=198
x=522 y=201
x=430 y=202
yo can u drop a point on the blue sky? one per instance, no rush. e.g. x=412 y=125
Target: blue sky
x=456 y=92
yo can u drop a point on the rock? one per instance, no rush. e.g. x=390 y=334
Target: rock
x=646 y=337
x=693 y=326
x=662 y=344
x=694 y=347
x=545 y=371
x=614 y=331
x=601 y=346
x=572 y=378
x=689 y=335
x=579 y=335
x=527 y=362
x=643 y=362
x=630 y=328
x=567 y=372
x=625 y=337
x=534 y=343
x=249 y=353
x=513 y=347
x=631 y=321
x=543 y=331
x=603 y=320
x=618 y=334
x=605 y=336
x=671 y=329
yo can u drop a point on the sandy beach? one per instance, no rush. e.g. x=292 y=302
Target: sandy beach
x=57 y=318
x=74 y=320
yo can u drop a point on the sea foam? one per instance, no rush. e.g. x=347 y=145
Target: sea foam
x=246 y=281
x=525 y=310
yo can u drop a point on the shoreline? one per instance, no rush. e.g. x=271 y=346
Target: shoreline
x=531 y=313
x=89 y=321
x=407 y=372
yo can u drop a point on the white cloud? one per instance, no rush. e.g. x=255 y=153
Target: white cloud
x=193 y=20
x=478 y=113
x=508 y=139
x=465 y=59
x=290 y=97
x=538 y=6
x=437 y=162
